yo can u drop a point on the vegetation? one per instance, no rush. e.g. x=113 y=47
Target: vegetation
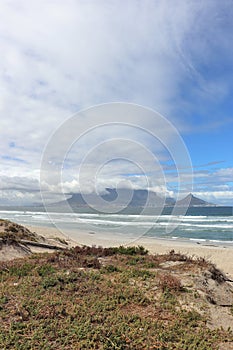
x=11 y=232
x=96 y=298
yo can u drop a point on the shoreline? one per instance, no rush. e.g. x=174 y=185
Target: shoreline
x=218 y=253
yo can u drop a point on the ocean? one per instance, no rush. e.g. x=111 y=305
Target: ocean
x=200 y=224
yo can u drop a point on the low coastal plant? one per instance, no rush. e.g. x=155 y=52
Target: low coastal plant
x=168 y=282
x=96 y=298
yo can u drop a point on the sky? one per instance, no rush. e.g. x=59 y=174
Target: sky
x=62 y=57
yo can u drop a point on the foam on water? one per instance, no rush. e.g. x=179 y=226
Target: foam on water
x=200 y=227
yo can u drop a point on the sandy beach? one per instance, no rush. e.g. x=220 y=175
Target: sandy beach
x=221 y=255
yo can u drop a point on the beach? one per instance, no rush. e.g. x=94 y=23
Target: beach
x=219 y=254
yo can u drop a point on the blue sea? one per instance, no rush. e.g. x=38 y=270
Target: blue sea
x=206 y=224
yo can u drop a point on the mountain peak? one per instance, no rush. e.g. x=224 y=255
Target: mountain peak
x=139 y=198
x=192 y=201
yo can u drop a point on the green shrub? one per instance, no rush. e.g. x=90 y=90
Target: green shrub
x=45 y=270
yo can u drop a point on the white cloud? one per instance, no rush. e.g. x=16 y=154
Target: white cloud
x=216 y=197
x=58 y=57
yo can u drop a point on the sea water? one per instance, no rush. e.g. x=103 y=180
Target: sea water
x=212 y=224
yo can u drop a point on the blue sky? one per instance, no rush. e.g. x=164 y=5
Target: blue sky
x=58 y=57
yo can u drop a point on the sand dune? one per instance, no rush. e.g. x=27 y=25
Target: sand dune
x=222 y=256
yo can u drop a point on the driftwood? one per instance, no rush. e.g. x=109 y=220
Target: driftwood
x=38 y=244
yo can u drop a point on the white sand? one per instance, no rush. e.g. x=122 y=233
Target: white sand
x=222 y=255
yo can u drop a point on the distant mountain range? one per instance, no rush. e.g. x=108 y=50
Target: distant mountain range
x=135 y=198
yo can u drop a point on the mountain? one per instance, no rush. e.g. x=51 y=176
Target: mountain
x=130 y=199
x=139 y=197
x=115 y=197
x=191 y=201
